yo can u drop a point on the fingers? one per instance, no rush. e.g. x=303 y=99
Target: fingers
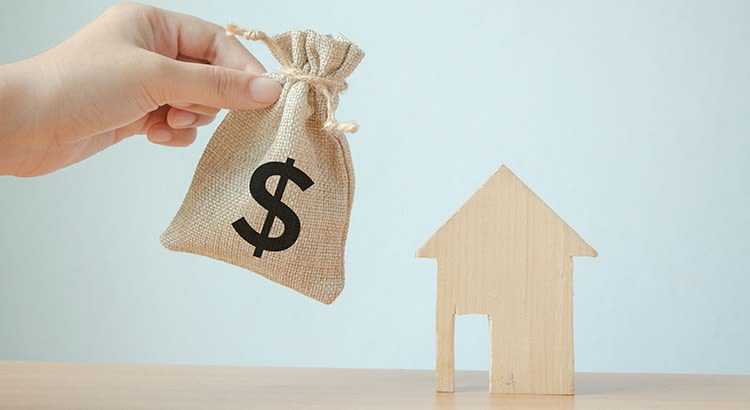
x=196 y=108
x=176 y=127
x=158 y=130
x=214 y=86
x=200 y=40
x=162 y=134
x=231 y=79
x=178 y=118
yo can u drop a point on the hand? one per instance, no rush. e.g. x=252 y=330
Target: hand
x=134 y=70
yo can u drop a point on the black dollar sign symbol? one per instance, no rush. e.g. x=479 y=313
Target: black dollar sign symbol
x=276 y=209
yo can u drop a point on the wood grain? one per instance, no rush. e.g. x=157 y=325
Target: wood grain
x=508 y=255
x=35 y=385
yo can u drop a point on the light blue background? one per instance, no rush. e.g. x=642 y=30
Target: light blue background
x=630 y=119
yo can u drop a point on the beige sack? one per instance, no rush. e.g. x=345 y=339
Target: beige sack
x=273 y=190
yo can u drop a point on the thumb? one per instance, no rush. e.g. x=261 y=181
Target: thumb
x=216 y=86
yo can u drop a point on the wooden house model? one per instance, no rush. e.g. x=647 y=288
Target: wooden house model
x=508 y=255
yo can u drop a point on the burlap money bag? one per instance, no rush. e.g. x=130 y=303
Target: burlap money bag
x=273 y=190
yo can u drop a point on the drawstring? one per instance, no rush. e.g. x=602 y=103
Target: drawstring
x=327 y=87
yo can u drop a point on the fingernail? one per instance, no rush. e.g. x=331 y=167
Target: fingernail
x=160 y=135
x=183 y=119
x=254 y=68
x=264 y=90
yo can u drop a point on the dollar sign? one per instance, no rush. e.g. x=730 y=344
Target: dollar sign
x=276 y=208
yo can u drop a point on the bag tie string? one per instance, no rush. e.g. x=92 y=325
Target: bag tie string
x=327 y=87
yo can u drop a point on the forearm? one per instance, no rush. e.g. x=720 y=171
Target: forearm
x=26 y=112
x=15 y=113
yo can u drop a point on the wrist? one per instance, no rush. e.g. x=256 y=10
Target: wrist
x=19 y=118
x=10 y=92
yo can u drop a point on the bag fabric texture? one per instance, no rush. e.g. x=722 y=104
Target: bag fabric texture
x=273 y=190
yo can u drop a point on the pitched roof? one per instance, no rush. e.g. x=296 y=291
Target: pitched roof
x=504 y=179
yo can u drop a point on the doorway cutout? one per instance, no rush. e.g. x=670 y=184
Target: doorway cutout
x=472 y=349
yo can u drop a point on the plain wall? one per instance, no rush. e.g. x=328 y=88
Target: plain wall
x=630 y=119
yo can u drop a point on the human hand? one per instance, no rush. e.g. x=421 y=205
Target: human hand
x=134 y=70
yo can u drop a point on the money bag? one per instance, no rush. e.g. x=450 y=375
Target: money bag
x=273 y=190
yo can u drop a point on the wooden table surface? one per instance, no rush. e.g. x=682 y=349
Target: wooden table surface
x=37 y=385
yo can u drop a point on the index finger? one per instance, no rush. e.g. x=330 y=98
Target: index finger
x=184 y=35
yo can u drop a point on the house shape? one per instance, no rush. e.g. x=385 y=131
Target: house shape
x=508 y=255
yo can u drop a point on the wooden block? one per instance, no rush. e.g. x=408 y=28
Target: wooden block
x=507 y=254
